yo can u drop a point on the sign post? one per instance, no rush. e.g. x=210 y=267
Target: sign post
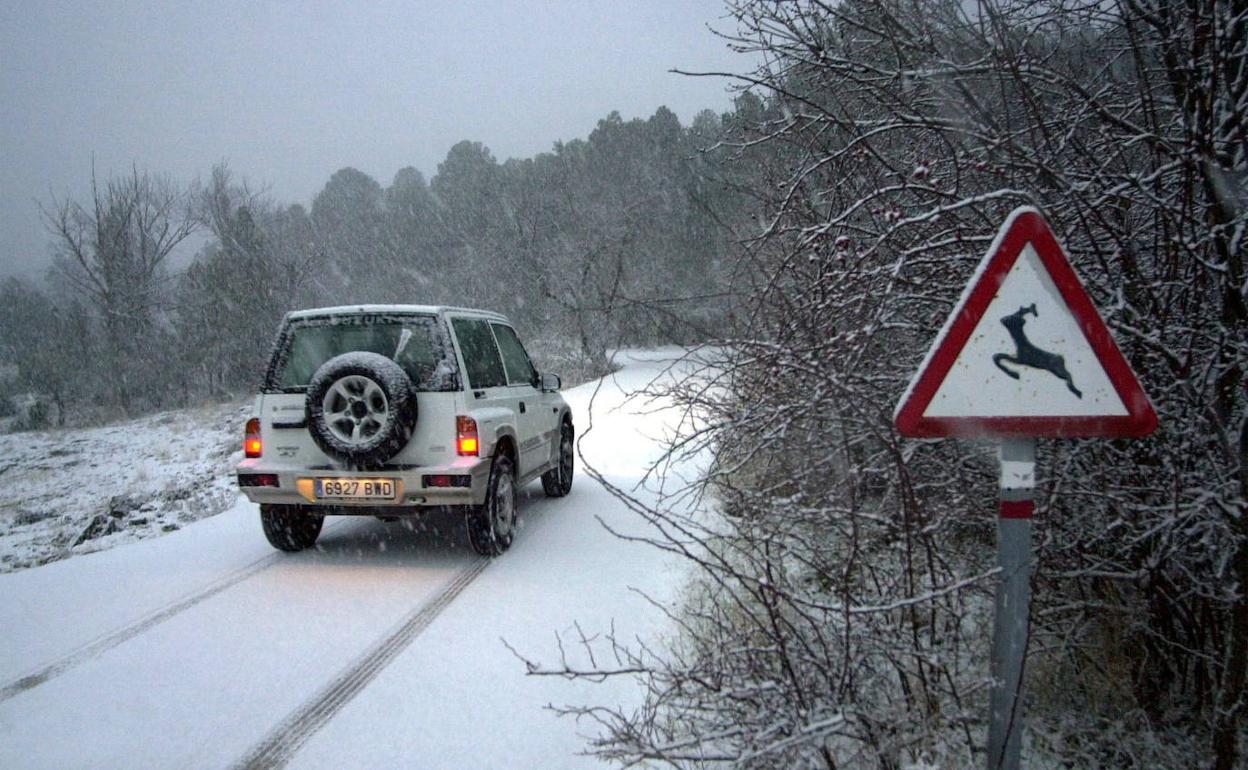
x=1013 y=601
x=1024 y=355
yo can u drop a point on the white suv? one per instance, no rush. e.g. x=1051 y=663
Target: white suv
x=385 y=410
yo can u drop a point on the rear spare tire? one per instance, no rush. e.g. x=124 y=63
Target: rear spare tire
x=361 y=408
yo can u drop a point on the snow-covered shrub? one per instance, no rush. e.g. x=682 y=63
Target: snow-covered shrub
x=35 y=416
x=569 y=361
x=847 y=580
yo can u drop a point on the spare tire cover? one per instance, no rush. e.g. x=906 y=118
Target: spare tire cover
x=360 y=408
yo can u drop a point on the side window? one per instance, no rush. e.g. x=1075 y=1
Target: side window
x=515 y=360
x=485 y=368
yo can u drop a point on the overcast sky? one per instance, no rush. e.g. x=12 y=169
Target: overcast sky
x=289 y=92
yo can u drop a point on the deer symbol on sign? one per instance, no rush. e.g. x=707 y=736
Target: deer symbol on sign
x=1027 y=354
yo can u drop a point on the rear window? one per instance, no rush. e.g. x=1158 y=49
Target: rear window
x=417 y=343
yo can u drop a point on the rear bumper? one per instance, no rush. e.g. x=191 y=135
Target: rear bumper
x=295 y=486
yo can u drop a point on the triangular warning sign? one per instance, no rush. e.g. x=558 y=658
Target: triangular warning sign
x=1025 y=353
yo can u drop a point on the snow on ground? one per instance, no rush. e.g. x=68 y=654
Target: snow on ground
x=71 y=492
x=193 y=649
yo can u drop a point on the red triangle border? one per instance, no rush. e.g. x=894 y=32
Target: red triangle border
x=1023 y=226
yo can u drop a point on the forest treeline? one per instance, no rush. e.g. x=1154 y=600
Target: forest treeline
x=601 y=241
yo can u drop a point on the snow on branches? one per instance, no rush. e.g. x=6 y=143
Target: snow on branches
x=884 y=143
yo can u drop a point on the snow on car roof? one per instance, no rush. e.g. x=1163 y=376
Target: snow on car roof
x=317 y=312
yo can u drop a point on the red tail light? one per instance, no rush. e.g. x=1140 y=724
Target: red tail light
x=466 y=439
x=252 y=445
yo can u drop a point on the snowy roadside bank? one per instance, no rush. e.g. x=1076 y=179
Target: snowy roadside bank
x=72 y=492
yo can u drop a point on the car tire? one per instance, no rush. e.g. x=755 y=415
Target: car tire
x=492 y=525
x=290 y=527
x=360 y=408
x=557 y=481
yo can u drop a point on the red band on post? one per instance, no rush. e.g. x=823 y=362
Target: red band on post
x=1017 y=509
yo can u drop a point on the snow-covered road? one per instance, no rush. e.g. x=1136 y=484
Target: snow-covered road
x=382 y=648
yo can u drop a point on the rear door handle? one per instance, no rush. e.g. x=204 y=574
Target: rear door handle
x=521 y=407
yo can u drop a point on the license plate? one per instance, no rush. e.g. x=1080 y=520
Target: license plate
x=354 y=489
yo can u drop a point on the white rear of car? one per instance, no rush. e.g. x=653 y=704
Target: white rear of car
x=388 y=409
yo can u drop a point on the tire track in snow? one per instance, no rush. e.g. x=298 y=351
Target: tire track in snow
x=125 y=633
x=128 y=632
x=277 y=748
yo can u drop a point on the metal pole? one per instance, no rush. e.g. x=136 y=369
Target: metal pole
x=1013 y=602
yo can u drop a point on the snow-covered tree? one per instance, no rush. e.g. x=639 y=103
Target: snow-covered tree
x=842 y=614
x=112 y=253
x=49 y=345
